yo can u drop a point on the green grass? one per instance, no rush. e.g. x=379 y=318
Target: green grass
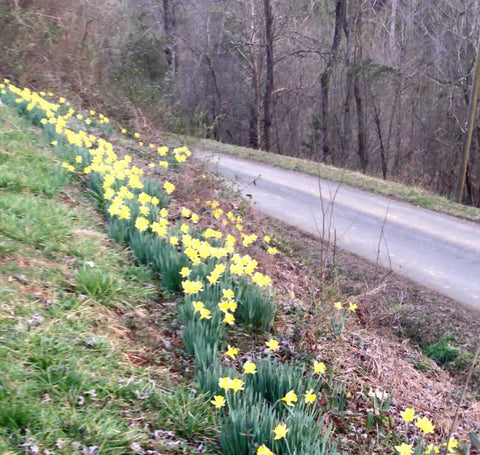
x=407 y=193
x=66 y=384
x=19 y=144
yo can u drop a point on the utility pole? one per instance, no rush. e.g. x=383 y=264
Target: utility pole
x=472 y=108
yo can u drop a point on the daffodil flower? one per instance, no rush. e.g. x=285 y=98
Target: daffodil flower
x=249 y=367
x=218 y=401
x=319 y=367
x=425 y=425
x=408 y=414
x=231 y=352
x=280 y=431
x=309 y=396
x=272 y=344
x=404 y=449
x=264 y=450
x=290 y=398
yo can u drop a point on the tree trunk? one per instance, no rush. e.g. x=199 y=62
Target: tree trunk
x=267 y=99
x=345 y=135
x=378 y=127
x=340 y=12
x=361 y=131
x=170 y=24
x=472 y=109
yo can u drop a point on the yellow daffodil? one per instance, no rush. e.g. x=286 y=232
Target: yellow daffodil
x=124 y=213
x=452 y=444
x=192 y=287
x=319 y=367
x=352 y=307
x=218 y=401
x=231 y=352
x=228 y=294
x=261 y=280
x=272 y=344
x=309 y=396
x=248 y=239
x=338 y=305
x=205 y=313
x=229 y=319
x=185 y=272
x=169 y=187
x=280 y=431
x=159 y=228
x=226 y=306
x=197 y=306
x=404 y=449
x=431 y=450
x=249 y=367
x=217 y=272
x=264 y=450
x=237 y=384
x=141 y=223
x=225 y=383
x=290 y=398
x=408 y=414
x=425 y=425
x=144 y=198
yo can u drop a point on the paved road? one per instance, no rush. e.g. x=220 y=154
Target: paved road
x=438 y=251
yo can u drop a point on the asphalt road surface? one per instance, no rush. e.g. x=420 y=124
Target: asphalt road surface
x=438 y=251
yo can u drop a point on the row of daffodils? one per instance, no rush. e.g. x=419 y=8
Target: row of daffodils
x=265 y=406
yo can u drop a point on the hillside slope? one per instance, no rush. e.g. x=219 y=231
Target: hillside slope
x=305 y=341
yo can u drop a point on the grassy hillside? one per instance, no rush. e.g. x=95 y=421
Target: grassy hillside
x=72 y=304
x=194 y=333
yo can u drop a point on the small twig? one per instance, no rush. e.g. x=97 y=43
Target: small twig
x=381 y=286
x=464 y=391
x=11 y=123
x=382 y=236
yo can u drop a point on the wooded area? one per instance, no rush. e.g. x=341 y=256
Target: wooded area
x=382 y=86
